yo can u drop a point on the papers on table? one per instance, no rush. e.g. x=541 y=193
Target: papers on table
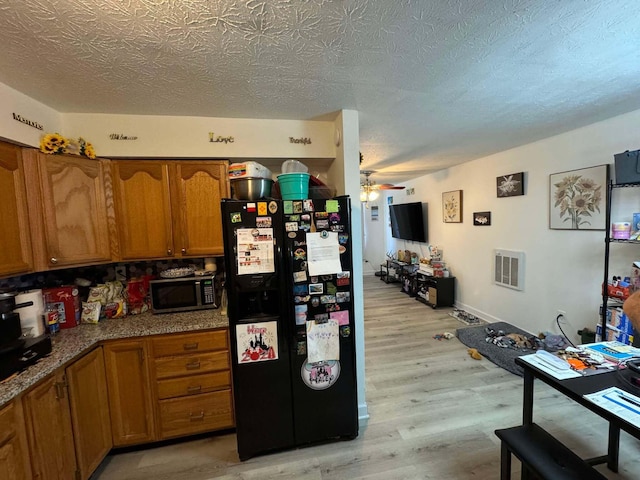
x=538 y=362
x=622 y=404
x=614 y=351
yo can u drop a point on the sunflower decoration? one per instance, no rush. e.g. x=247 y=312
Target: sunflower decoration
x=86 y=148
x=53 y=143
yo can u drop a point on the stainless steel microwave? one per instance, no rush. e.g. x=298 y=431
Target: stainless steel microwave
x=183 y=294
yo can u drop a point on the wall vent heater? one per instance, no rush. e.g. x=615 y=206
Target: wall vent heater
x=509 y=269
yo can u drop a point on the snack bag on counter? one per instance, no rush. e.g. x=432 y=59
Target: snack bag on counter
x=90 y=312
x=137 y=295
x=110 y=297
x=116 y=305
x=92 y=308
x=98 y=294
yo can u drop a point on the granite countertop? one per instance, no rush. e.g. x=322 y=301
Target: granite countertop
x=71 y=343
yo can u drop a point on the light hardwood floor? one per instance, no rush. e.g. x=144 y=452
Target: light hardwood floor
x=432 y=409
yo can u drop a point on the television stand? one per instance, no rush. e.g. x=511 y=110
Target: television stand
x=435 y=291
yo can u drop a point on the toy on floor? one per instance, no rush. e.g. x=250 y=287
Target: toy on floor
x=445 y=335
x=510 y=340
x=473 y=353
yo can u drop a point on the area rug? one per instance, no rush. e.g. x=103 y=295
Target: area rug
x=475 y=337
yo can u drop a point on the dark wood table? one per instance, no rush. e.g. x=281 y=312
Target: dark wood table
x=575 y=389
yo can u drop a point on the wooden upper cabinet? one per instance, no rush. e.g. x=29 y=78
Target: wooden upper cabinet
x=143 y=211
x=15 y=240
x=169 y=208
x=68 y=209
x=198 y=189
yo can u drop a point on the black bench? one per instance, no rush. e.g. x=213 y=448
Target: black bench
x=541 y=455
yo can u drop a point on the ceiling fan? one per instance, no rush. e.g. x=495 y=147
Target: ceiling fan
x=369 y=189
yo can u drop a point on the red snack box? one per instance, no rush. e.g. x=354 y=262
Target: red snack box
x=67 y=302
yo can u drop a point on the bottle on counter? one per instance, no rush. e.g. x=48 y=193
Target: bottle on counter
x=52 y=319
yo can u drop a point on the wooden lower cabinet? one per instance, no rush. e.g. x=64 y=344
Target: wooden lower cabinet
x=125 y=392
x=195 y=414
x=89 y=411
x=130 y=400
x=49 y=430
x=14 y=451
x=192 y=383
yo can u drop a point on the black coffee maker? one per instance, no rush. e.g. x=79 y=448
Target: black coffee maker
x=17 y=352
x=11 y=341
x=10 y=330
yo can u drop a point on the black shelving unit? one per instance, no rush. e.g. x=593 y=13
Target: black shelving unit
x=408 y=281
x=389 y=271
x=435 y=291
x=607 y=245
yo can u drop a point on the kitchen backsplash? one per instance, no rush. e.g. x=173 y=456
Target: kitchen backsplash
x=97 y=274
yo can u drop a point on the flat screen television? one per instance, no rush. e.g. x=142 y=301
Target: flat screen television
x=408 y=221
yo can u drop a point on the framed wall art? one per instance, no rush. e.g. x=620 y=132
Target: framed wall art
x=577 y=199
x=510 y=185
x=452 y=206
x=481 y=219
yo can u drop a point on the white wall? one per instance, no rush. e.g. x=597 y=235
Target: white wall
x=169 y=136
x=563 y=269
x=348 y=162
x=13 y=102
x=374 y=235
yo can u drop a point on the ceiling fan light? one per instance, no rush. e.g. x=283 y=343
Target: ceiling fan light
x=373 y=195
x=363 y=195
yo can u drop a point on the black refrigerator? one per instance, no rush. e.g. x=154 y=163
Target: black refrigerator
x=288 y=267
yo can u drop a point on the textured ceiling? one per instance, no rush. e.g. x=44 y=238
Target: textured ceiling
x=436 y=82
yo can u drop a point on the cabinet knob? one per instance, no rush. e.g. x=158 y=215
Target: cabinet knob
x=190 y=346
x=194 y=389
x=197 y=417
x=169 y=251
x=53 y=260
x=184 y=251
x=193 y=365
x=59 y=386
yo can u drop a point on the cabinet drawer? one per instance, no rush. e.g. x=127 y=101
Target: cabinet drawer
x=191 y=364
x=193 y=385
x=189 y=343
x=200 y=413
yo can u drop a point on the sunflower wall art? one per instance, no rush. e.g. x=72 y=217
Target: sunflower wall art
x=56 y=144
x=577 y=199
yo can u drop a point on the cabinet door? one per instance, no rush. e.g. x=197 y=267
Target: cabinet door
x=48 y=422
x=143 y=211
x=69 y=213
x=130 y=401
x=14 y=456
x=89 y=411
x=197 y=190
x=15 y=240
